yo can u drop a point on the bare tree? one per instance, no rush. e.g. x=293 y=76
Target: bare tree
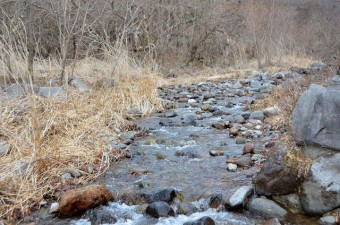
x=30 y=41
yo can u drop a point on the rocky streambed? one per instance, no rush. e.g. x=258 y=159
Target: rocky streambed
x=195 y=163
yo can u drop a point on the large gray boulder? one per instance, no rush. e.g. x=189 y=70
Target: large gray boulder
x=321 y=191
x=277 y=176
x=316 y=117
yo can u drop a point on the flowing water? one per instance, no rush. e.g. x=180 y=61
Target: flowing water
x=176 y=154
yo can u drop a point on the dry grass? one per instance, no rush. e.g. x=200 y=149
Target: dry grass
x=50 y=136
x=283 y=63
x=295 y=158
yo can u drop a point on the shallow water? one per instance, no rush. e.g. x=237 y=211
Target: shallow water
x=127 y=215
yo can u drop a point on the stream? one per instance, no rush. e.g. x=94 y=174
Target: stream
x=185 y=149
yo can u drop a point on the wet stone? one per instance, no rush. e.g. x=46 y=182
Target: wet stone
x=206 y=107
x=170 y=113
x=257 y=158
x=165 y=122
x=159 y=209
x=257 y=115
x=215 y=200
x=234 y=131
x=267 y=209
x=248 y=148
x=202 y=221
x=128 y=135
x=243 y=161
x=208 y=96
x=101 y=216
x=219 y=125
x=246 y=115
x=179 y=153
x=207 y=115
x=241 y=140
x=149 y=141
x=186 y=208
x=54 y=207
x=239 y=119
x=189 y=119
x=240 y=195
x=166 y=195
x=191 y=101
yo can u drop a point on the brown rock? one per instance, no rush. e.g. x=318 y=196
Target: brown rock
x=234 y=131
x=219 y=126
x=248 y=148
x=74 y=202
x=277 y=177
x=243 y=161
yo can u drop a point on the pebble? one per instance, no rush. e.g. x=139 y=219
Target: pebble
x=135 y=111
x=248 y=148
x=4 y=148
x=43 y=203
x=239 y=119
x=272 y=111
x=257 y=157
x=240 y=195
x=73 y=172
x=170 y=113
x=234 y=131
x=190 y=118
x=66 y=176
x=243 y=161
x=231 y=167
x=241 y=140
x=216 y=153
x=257 y=115
x=206 y=107
x=328 y=220
x=54 y=207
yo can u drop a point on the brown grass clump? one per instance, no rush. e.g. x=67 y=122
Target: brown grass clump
x=49 y=136
x=295 y=158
